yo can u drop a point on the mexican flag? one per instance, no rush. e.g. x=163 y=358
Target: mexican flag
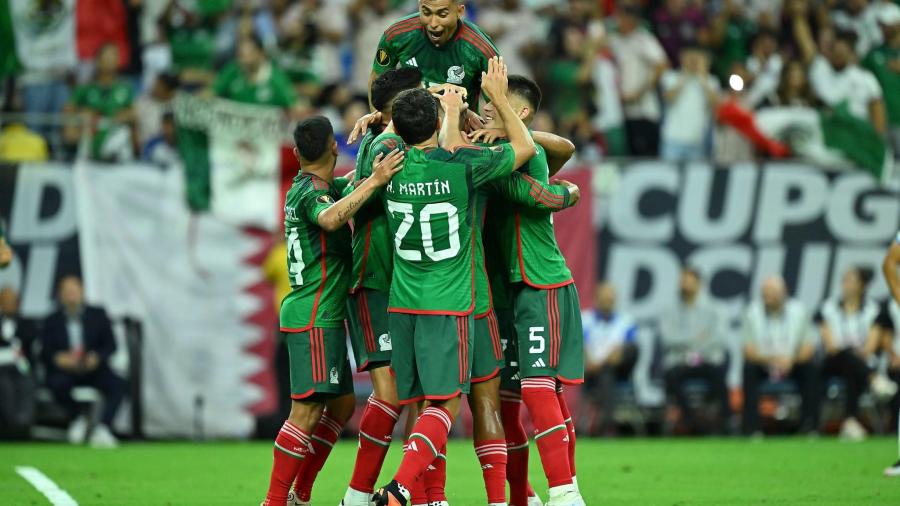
x=232 y=159
x=40 y=35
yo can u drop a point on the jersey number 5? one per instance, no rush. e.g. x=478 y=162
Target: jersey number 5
x=534 y=337
x=425 y=216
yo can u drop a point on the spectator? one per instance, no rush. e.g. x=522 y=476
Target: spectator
x=678 y=24
x=152 y=106
x=323 y=25
x=858 y=17
x=794 y=89
x=888 y=324
x=764 y=68
x=503 y=22
x=253 y=79
x=610 y=351
x=76 y=344
x=609 y=120
x=850 y=341
x=837 y=80
x=369 y=19
x=642 y=62
x=162 y=150
x=16 y=386
x=778 y=345
x=20 y=144
x=691 y=95
x=107 y=103
x=884 y=63
x=730 y=36
x=694 y=347
x=192 y=40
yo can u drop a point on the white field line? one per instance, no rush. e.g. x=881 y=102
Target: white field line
x=46 y=486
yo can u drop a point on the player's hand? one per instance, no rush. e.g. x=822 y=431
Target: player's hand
x=473 y=121
x=6 y=254
x=574 y=191
x=487 y=135
x=452 y=98
x=441 y=89
x=494 y=82
x=363 y=124
x=384 y=167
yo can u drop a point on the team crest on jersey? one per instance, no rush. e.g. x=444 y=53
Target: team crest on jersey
x=497 y=149
x=456 y=74
x=325 y=199
x=384 y=342
x=333 y=377
x=382 y=57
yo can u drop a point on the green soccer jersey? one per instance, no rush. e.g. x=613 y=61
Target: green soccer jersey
x=432 y=217
x=526 y=237
x=460 y=61
x=105 y=100
x=878 y=62
x=273 y=89
x=318 y=262
x=515 y=188
x=372 y=246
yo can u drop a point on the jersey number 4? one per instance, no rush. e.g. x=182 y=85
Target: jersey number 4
x=425 y=216
x=295 y=257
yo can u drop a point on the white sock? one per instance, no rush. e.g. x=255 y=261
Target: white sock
x=575 y=482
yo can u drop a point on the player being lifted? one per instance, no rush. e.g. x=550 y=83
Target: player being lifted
x=547 y=324
x=312 y=315
x=445 y=47
x=368 y=302
x=430 y=211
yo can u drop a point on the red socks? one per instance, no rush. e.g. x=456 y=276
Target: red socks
x=417 y=493
x=492 y=456
x=516 y=447
x=551 y=435
x=570 y=426
x=291 y=447
x=323 y=439
x=435 y=478
x=375 y=431
x=429 y=434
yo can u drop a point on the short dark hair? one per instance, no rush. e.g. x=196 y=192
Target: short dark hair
x=388 y=85
x=415 y=115
x=526 y=88
x=847 y=37
x=312 y=137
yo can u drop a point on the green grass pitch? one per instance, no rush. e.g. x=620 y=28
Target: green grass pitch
x=717 y=472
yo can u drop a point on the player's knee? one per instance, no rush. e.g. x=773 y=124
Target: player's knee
x=341 y=408
x=306 y=414
x=384 y=386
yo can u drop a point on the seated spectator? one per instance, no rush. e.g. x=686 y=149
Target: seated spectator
x=76 y=344
x=153 y=105
x=162 y=150
x=107 y=103
x=888 y=325
x=778 y=345
x=850 y=341
x=691 y=95
x=20 y=144
x=16 y=385
x=610 y=351
x=641 y=62
x=693 y=348
x=884 y=63
x=253 y=79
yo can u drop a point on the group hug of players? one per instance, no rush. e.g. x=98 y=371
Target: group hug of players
x=451 y=281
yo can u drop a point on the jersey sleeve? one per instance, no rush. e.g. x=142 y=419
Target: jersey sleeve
x=527 y=191
x=312 y=203
x=385 y=56
x=487 y=163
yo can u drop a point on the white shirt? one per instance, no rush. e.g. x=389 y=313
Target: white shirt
x=855 y=85
x=602 y=336
x=637 y=54
x=606 y=95
x=849 y=330
x=689 y=115
x=76 y=334
x=519 y=28
x=780 y=334
x=366 y=37
x=767 y=76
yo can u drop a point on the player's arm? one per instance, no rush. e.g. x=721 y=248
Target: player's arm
x=494 y=83
x=559 y=149
x=890 y=268
x=452 y=102
x=338 y=214
x=527 y=191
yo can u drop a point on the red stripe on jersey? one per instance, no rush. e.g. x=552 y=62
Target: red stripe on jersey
x=477 y=40
x=314 y=356
x=494 y=328
x=459 y=345
x=365 y=319
x=403 y=23
x=540 y=194
x=553 y=295
x=322 y=358
x=404 y=29
x=522 y=261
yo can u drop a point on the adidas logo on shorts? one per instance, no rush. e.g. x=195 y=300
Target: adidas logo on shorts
x=539 y=363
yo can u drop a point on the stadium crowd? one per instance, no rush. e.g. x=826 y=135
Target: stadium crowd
x=726 y=80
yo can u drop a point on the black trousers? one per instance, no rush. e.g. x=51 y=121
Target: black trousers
x=714 y=375
x=643 y=137
x=805 y=375
x=600 y=386
x=16 y=403
x=103 y=379
x=848 y=366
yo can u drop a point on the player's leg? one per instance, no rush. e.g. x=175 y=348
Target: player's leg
x=371 y=343
x=442 y=359
x=418 y=495
x=338 y=411
x=570 y=428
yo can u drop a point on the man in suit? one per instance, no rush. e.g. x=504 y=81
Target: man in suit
x=77 y=342
x=16 y=385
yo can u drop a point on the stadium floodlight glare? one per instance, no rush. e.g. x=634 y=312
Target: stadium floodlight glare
x=736 y=82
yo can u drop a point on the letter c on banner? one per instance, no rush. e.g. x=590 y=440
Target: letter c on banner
x=638 y=179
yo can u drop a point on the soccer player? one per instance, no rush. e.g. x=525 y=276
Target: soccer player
x=368 y=303
x=445 y=47
x=891 y=269
x=6 y=254
x=430 y=211
x=312 y=315
x=547 y=326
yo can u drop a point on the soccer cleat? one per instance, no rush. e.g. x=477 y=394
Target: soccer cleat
x=356 y=498
x=883 y=387
x=565 y=495
x=852 y=430
x=392 y=494
x=78 y=431
x=293 y=500
x=535 y=500
x=102 y=437
x=893 y=471
x=440 y=503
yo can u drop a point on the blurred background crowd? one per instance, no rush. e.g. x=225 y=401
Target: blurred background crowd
x=727 y=80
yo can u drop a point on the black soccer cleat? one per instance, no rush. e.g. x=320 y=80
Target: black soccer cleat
x=392 y=494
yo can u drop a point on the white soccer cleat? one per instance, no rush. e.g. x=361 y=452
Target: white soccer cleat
x=102 y=437
x=852 y=430
x=356 y=498
x=883 y=387
x=77 y=432
x=439 y=503
x=292 y=500
x=565 y=495
x=893 y=471
x=535 y=500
